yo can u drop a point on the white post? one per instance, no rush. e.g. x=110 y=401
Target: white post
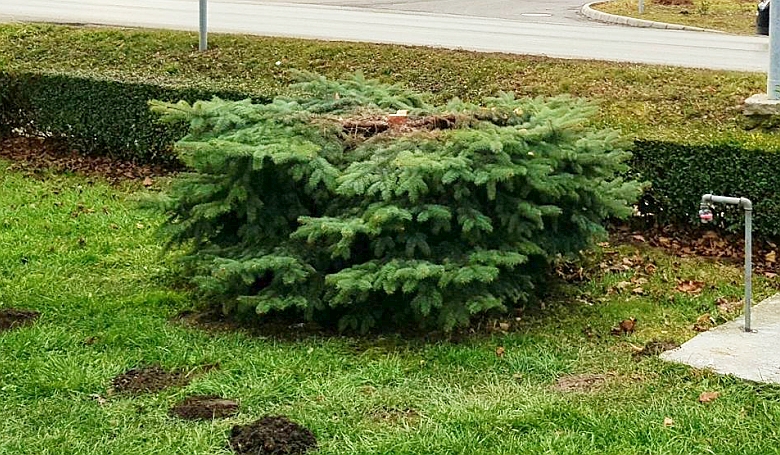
x=773 y=75
x=203 y=43
x=641 y=6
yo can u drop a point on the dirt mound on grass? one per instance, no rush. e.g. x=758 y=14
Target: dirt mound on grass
x=148 y=380
x=13 y=317
x=271 y=435
x=205 y=407
x=153 y=378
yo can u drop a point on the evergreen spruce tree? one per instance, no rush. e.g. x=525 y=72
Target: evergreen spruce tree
x=315 y=202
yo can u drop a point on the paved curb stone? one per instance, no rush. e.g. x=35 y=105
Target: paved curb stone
x=600 y=16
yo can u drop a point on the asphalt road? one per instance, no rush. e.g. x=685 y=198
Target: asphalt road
x=566 y=39
x=540 y=11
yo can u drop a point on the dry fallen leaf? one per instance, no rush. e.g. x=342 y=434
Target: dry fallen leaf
x=726 y=306
x=703 y=323
x=771 y=257
x=690 y=286
x=503 y=326
x=668 y=422
x=100 y=400
x=626 y=327
x=500 y=351
x=148 y=182
x=89 y=341
x=708 y=397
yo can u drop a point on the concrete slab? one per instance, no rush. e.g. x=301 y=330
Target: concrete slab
x=728 y=349
x=760 y=104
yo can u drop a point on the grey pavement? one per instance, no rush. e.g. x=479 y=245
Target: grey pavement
x=577 y=40
x=540 y=11
x=728 y=349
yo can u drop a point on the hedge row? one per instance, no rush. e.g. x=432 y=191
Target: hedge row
x=99 y=117
x=648 y=101
x=680 y=174
x=110 y=117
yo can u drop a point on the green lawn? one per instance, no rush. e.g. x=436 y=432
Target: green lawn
x=686 y=105
x=87 y=259
x=731 y=16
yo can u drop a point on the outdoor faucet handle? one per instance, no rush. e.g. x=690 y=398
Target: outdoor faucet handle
x=705 y=214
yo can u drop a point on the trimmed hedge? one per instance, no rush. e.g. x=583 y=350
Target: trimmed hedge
x=91 y=86
x=113 y=118
x=101 y=117
x=653 y=102
x=680 y=174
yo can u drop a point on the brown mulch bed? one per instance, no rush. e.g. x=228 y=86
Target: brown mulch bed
x=697 y=242
x=34 y=155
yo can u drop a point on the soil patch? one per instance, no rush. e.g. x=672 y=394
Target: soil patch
x=151 y=379
x=205 y=407
x=271 y=435
x=12 y=317
x=655 y=347
x=33 y=155
x=583 y=383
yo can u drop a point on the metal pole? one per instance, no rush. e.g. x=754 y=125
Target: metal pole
x=203 y=43
x=641 y=6
x=746 y=204
x=748 y=265
x=773 y=75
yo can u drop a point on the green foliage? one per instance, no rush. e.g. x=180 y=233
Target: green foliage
x=680 y=174
x=686 y=105
x=293 y=206
x=94 y=116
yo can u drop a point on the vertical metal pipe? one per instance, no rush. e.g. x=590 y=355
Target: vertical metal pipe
x=203 y=43
x=773 y=75
x=748 y=265
x=641 y=6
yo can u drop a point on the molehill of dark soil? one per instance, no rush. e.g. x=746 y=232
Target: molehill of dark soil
x=271 y=435
x=204 y=407
x=14 y=317
x=149 y=380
